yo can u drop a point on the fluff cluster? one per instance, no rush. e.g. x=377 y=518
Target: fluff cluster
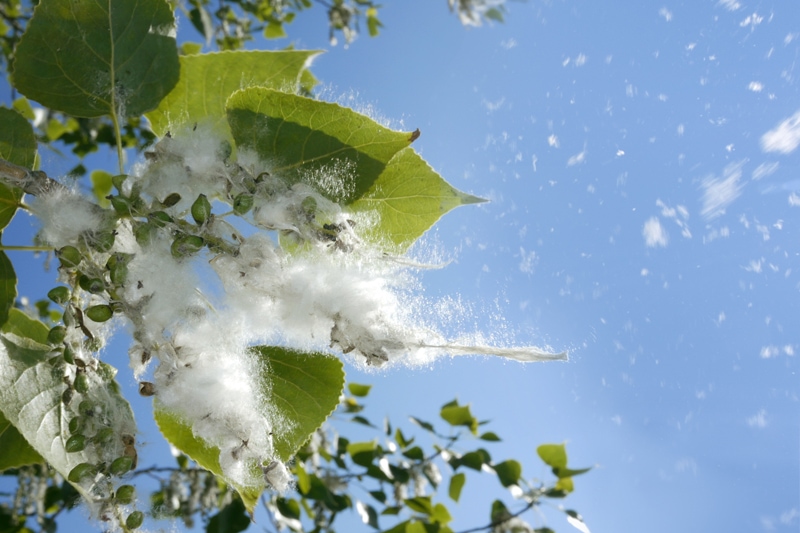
x=280 y=263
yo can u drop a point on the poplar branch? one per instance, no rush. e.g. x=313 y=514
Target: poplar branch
x=33 y=182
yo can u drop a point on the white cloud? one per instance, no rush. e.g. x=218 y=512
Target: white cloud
x=666 y=13
x=730 y=5
x=528 y=261
x=756 y=86
x=578 y=158
x=784 y=138
x=720 y=192
x=765 y=169
x=654 y=233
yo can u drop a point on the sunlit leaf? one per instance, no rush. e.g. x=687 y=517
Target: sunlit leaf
x=508 y=472
x=101 y=186
x=17 y=146
x=94 y=58
x=408 y=197
x=207 y=80
x=304 y=138
x=555 y=455
x=8 y=287
x=456 y=484
x=358 y=390
x=459 y=415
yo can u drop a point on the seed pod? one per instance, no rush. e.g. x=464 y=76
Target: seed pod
x=121 y=205
x=66 y=396
x=99 y=313
x=81 y=471
x=185 y=245
x=104 y=240
x=242 y=203
x=146 y=388
x=117 y=266
x=75 y=443
x=59 y=295
x=56 y=335
x=125 y=494
x=75 y=425
x=81 y=383
x=201 y=210
x=103 y=435
x=134 y=520
x=93 y=285
x=159 y=219
x=118 y=180
x=86 y=408
x=69 y=256
x=120 y=465
x=171 y=200
x=69 y=354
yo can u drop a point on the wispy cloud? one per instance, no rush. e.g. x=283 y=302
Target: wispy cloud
x=654 y=233
x=758 y=420
x=784 y=138
x=730 y=5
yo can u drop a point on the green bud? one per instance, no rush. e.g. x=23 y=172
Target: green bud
x=159 y=219
x=93 y=285
x=104 y=240
x=242 y=203
x=69 y=256
x=59 y=295
x=56 y=335
x=125 y=494
x=81 y=383
x=185 y=245
x=99 y=313
x=201 y=210
x=120 y=466
x=75 y=443
x=81 y=471
x=118 y=180
x=134 y=520
x=171 y=200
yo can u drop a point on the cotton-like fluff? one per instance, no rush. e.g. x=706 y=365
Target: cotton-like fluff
x=66 y=216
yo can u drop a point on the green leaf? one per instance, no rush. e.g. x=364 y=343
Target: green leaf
x=508 y=472
x=358 y=390
x=363 y=453
x=440 y=514
x=17 y=146
x=24 y=108
x=179 y=433
x=409 y=197
x=231 y=519
x=424 y=425
x=207 y=80
x=490 y=436
x=8 y=287
x=568 y=472
x=554 y=455
x=303 y=137
x=99 y=57
x=16 y=450
x=274 y=30
x=420 y=504
x=31 y=389
x=304 y=390
x=22 y=325
x=459 y=415
x=456 y=484
x=500 y=512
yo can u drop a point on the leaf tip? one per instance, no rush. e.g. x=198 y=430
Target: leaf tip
x=414 y=135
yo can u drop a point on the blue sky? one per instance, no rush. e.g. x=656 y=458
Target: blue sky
x=642 y=167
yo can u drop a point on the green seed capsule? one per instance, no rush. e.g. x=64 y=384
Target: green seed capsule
x=81 y=383
x=125 y=494
x=122 y=205
x=120 y=466
x=66 y=396
x=75 y=425
x=117 y=266
x=81 y=471
x=86 y=407
x=75 y=443
x=118 y=180
x=134 y=520
x=104 y=240
x=93 y=285
x=186 y=245
x=103 y=435
x=242 y=203
x=99 y=313
x=69 y=256
x=59 y=295
x=69 y=354
x=171 y=200
x=159 y=219
x=201 y=210
x=56 y=335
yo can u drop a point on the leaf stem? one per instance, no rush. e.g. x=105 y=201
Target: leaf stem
x=7 y=248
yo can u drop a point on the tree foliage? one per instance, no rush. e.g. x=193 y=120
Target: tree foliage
x=263 y=230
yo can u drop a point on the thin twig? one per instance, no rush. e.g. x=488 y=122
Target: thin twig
x=33 y=182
